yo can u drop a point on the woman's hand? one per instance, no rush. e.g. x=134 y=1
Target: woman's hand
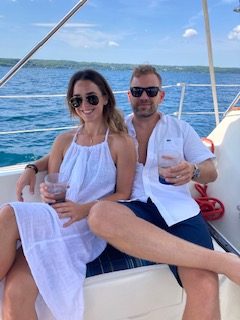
x=45 y=195
x=73 y=211
x=27 y=178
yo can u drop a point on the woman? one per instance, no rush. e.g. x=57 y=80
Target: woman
x=56 y=240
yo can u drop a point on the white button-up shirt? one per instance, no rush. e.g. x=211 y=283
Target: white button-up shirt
x=175 y=203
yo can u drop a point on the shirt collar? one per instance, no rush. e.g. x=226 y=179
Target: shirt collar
x=129 y=123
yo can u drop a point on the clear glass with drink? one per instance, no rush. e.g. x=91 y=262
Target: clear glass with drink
x=56 y=185
x=167 y=159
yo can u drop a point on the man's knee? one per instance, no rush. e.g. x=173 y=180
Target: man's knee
x=200 y=281
x=99 y=218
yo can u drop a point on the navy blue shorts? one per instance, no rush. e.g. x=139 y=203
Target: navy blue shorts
x=194 y=229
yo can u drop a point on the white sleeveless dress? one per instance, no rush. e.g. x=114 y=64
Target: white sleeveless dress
x=57 y=256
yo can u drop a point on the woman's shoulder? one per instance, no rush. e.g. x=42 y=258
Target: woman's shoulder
x=121 y=139
x=66 y=137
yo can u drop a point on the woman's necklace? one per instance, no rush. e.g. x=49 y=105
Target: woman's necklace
x=90 y=138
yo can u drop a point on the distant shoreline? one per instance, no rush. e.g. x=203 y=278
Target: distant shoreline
x=41 y=63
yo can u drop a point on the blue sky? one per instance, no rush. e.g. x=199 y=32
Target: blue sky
x=164 y=32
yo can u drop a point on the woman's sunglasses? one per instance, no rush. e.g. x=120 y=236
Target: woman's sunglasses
x=76 y=101
x=150 y=91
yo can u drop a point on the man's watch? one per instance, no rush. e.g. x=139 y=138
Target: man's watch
x=196 y=172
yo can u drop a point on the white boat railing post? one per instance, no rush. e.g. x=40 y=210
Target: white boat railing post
x=237 y=9
x=233 y=103
x=210 y=60
x=25 y=59
x=183 y=89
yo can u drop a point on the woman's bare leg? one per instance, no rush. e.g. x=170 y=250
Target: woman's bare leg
x=20 y=292
x=8 y=239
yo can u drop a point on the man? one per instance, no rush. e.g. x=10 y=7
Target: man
x=168 y=206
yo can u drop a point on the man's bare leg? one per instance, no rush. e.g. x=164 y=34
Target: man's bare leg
x=20 y=292
x=120 y=227
x=202 y=291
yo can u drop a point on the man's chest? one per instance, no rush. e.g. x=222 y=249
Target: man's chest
x=143 y=139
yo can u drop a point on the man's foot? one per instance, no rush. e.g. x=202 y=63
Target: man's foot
x=232 y=267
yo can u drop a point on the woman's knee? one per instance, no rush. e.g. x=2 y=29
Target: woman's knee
x=7 y=216
x=8 y=223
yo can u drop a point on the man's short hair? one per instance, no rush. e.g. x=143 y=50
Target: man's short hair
x=144 y=69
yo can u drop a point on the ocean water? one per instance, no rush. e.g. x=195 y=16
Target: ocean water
x=37 y=113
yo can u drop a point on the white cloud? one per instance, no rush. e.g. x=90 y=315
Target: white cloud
x=193 y=20
x=113 y=44
x=235 y=33
x=80 y=25
x=229 y=1
x=67 y=25
x=153 y=4
x=87 y=38
x=84 y=35
x=189 y=33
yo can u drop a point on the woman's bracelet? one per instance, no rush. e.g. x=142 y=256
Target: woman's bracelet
x=32 y=166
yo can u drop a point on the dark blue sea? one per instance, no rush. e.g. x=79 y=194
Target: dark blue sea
x=37 y=113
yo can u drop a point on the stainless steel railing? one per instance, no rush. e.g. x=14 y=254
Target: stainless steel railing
x=26 y=58
x=177 y=113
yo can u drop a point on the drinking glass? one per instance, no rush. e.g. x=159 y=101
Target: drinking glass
x=167 y=159
x=56 y=185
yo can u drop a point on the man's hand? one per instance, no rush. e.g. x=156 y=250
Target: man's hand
x=183 y=172
x=27 y=178
x=180 y=174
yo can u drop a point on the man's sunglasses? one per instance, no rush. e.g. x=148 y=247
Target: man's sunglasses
x=150 y=91
x=76 y=101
